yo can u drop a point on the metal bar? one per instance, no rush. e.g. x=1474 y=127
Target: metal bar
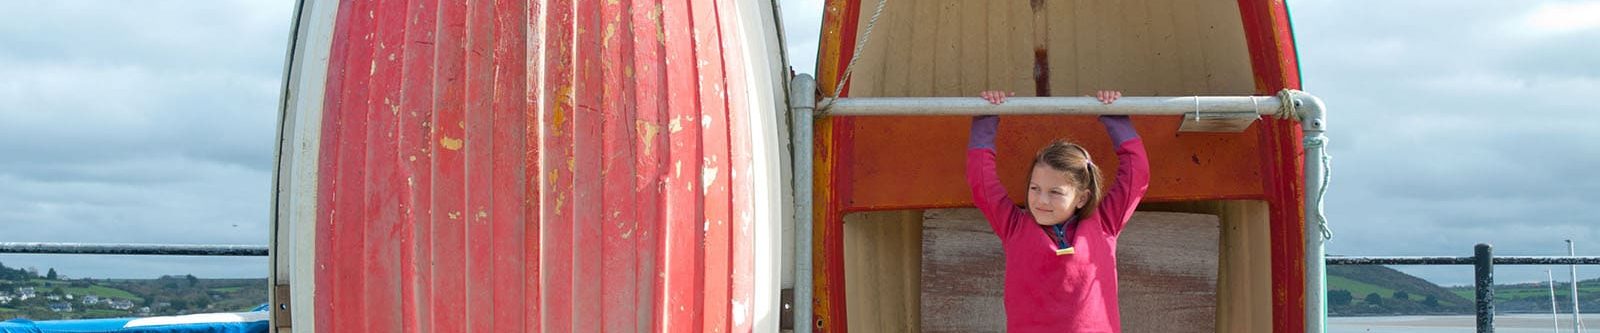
x=954 y=106
x=1313 y=123
x=1483 y=265
x=135 y=249
x=1518 y=260
x=802 y=101
x=1577 y=322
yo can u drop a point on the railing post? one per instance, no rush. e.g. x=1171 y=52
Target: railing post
x=1483 y=264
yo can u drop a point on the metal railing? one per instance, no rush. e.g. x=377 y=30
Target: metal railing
x=134 y=249
x=1483 y=262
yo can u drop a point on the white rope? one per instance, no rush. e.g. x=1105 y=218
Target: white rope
x=854 y=56
x=1289 y=110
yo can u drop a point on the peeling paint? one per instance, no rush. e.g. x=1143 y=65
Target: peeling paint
x=647 y=133
x=707 y=176
x=674 y=126
x=454 y=215
x=483 y=214
x=450 y=143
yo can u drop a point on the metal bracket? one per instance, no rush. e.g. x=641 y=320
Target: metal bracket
x=281 y=318
x=1218 y=122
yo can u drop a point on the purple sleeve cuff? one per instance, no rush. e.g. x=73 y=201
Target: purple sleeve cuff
x=1120 y=128
x=983 y=129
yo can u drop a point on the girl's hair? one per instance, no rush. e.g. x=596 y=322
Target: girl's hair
x=1072 y=159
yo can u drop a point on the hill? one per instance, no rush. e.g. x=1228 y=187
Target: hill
x=1379 y=290
x=27 y=294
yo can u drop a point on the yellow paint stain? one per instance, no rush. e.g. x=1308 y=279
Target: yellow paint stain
x=454 y=215
x=610 y=33
x=450 y=143
x=558 y=118
x=413 y=158
x=627 y=71
x=674 y=126
x=461 y=124
x=647 y=133
x=483 y=214
x=572 y=165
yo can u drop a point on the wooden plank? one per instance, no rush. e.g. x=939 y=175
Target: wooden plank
x=963 y=273
x=416 y=107
x=535 y=95
x=894 y=31
x=508 y=218
x=713 y=171
x=587 y=121
x=478 y=147
x=923 y=35
x=974 y=47
x=882 y=270
x=329 y=153
x=650 y=145
x=1192 y=71
x=1073 y=39
x=1244 y=277
x=556 y=200
x=947 y=50
x=618 y=248
x=1165 y=67
x=449 y=169
x=683 y=304
x=998 y=56
x=350 y=216
x=739 y=189
x=1166 y=264
x=1136 y=78
x=386 y=183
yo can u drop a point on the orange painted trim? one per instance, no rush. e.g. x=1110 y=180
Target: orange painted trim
x=832 y=180
x=1273 y=58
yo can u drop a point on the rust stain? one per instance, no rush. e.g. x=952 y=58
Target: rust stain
x=450 y=143
x=1041 y=72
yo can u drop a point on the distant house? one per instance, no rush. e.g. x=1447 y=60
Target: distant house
x=90 y=299
x=26 y=292
x=5 y=299
x=60 y=307
x=122 y=304
x=144 y=310
x=69 y=297
x=53 y=297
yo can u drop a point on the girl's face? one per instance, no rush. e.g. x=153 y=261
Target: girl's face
x=1052 y=197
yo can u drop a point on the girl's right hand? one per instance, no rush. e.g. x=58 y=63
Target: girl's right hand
x=995 y=97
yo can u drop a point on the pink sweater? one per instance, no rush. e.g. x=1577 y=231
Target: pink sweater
x=1070 y=293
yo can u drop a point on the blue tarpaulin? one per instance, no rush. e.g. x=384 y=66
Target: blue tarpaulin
x=242 y=322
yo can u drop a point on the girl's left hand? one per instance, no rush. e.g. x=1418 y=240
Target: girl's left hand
x=1108 y=96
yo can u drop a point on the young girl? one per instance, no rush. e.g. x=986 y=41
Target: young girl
x=1061 y=248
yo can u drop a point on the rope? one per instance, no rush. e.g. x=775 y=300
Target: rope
x=854 y=56
x=1288 y=109
x=1319 y=142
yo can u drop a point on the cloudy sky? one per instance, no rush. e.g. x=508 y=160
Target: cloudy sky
x=1452 y=124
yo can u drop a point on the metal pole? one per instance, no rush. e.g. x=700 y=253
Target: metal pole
x=1577 y=322
x=135 y=249
x=956 y=106
x=1555 y=319
x=1313 y=123
x=802 y=101
x=1483 y=264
